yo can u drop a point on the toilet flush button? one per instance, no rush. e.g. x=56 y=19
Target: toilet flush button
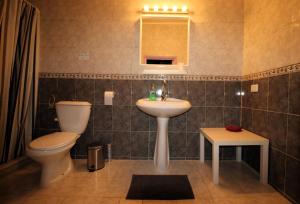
x=254 y=88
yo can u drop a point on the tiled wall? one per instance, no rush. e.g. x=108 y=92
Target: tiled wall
x=271 y=34
x=274 y=112
x=131 y=132
x=108 y=30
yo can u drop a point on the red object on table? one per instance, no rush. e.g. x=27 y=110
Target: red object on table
x=233 y=128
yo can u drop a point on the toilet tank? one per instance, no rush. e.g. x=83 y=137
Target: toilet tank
x=73 y=116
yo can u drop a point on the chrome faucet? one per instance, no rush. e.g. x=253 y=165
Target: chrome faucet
x=164 y=90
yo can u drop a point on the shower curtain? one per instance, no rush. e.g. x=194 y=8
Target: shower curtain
x=19 y=61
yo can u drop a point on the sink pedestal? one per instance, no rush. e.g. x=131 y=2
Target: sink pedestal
x=161 y=154
x=163 y=110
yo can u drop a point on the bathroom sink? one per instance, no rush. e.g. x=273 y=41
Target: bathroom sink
x=165 y=109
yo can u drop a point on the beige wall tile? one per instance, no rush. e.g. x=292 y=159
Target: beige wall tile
x=271 y=30
x=109 y=31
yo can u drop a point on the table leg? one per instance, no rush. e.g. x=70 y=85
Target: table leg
x=264 y=157
x=215 y=164
x=239 y=153
x=202 y=150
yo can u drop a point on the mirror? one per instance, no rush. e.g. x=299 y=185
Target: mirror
x=164 y=40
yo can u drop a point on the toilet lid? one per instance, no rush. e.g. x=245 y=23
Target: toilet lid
x=54 y=140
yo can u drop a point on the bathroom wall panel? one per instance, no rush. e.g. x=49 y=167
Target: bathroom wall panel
x=196 y=93
x=278 y=93
x=277 y=130
x=103 y=137
x=139 y=145
x=271 y=33
x=192 y=151
x=108 y=32
x=121 y=145
x=108 y=123
x=232 y=98
x=259 y=99
x=277 y=169
x=152 y=140
x=195 y=119
x=46 y=117
x=66 y=89
x=247 y=119
x=84 y=90
x=178 y=123
x=292 y=184
x=177 y=143
x=273 y=113
x=259 y=122
x=47 y=88
x=214 y=117
x=102 y=117
x=293 y=137
x=294 y=93
x=121 y=118
x=178 y=89
x=232 y=116
x=140 y=89
x=100 y=86
x=122 y=90
x=139 y=120
x=152 y=123
x=246 y=99
x=214 y=93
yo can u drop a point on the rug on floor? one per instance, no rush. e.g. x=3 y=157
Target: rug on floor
x=160 y=187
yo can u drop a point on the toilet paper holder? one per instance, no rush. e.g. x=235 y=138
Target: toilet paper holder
x=108 y=97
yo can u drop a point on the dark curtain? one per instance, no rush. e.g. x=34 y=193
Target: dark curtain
x=22 y=98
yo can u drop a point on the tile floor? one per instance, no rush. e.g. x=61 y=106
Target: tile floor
x=238 y=184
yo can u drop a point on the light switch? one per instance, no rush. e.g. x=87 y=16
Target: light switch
x=84 y=56
x=254 y=88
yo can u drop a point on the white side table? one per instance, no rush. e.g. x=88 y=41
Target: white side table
x=221 y=137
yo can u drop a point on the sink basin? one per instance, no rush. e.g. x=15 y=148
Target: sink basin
x=169 y=108
x=163 y=110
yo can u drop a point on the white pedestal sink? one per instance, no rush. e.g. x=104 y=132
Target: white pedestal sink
x=163 y=110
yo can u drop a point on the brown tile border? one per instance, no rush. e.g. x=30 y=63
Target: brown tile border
x=264 y=74
x=273 y=72
x=140 y=77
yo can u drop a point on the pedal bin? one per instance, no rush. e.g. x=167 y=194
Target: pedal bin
x=95 y=158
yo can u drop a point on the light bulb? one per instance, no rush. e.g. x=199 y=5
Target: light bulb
x=184 y=8
x=165 y=8
x=155 y=8
x=174 y=8
x=146 y=8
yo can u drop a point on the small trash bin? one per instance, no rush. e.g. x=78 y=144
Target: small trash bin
x=95 y=158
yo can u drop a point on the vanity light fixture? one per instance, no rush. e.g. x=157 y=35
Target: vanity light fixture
x=174 y=8
x=146 y=8
x=165 y=9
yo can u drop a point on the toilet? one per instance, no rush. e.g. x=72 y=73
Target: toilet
x=53 y=150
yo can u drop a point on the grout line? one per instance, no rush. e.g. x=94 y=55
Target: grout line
x=268 y=93
x=279 y=112
x=287 y=133
x=286 y=154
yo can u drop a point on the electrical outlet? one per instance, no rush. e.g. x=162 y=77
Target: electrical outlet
x=254 y=88
x=84 y=56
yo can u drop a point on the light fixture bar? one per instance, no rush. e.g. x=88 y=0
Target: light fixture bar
x=165 y=9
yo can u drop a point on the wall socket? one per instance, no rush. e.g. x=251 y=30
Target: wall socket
x=84 y=56
x=254 y=87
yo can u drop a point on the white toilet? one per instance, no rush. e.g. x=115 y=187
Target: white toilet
x=53 y=150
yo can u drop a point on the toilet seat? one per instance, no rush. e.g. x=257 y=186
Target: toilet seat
x=53 y=141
